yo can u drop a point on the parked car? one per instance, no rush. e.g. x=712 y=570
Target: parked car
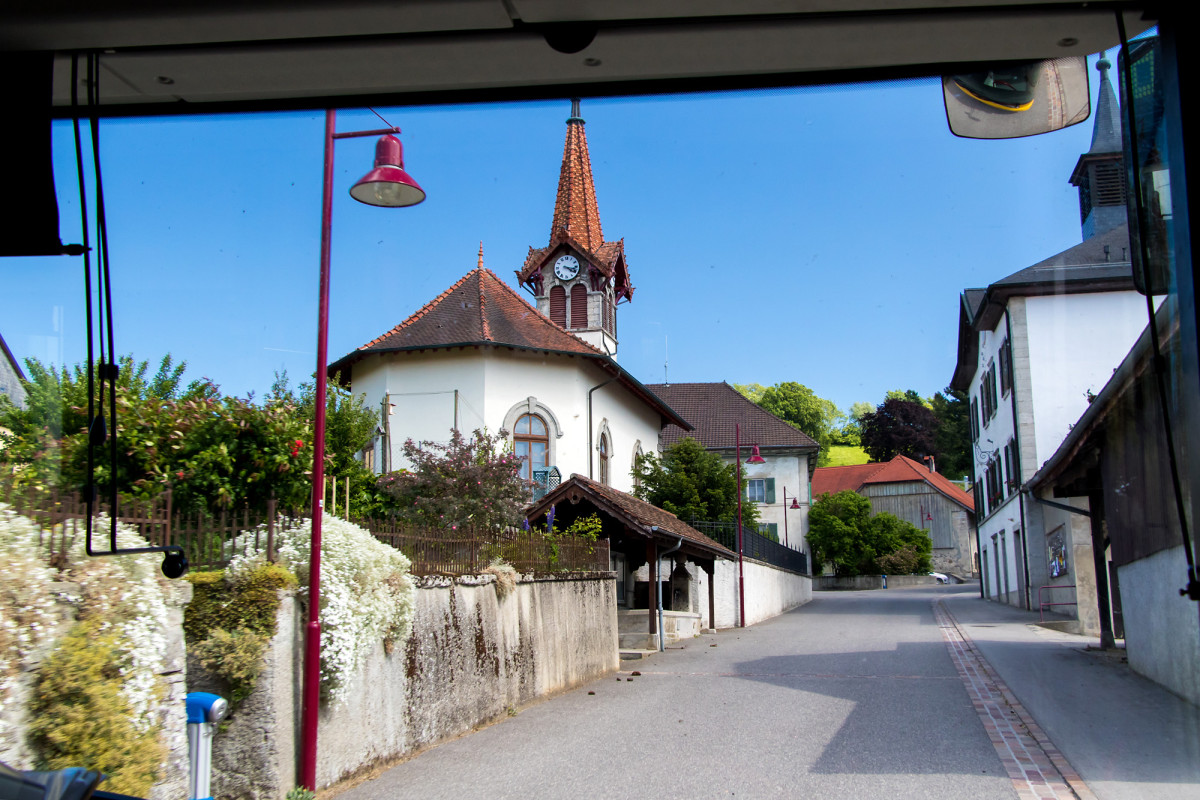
x=940 y=577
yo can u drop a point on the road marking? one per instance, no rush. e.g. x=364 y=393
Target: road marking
x=1036 y=767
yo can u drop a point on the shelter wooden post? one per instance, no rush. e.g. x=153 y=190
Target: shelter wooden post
x=710 y=569
x=651 y=605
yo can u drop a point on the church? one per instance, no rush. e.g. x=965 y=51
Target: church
x=480 y=356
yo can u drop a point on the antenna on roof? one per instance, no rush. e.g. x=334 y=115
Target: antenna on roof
x=666 y=360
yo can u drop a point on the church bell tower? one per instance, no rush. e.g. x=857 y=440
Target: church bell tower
x=578 y=279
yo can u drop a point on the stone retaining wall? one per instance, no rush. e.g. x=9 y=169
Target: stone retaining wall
x=472 y=658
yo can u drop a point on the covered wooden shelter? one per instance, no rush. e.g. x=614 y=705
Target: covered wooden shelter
x=635 y=529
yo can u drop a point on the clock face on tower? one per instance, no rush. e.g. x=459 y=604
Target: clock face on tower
x=567 y=267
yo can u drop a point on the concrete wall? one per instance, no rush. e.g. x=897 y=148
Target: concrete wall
x=770 y=591
x=1162 y=634
x=858 y=583
x=471 y=657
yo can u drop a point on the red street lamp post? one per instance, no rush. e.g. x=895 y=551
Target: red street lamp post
x=795 y=506
x=754 y=458
x=386 y=185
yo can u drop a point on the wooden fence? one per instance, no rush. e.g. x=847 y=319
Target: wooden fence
x=211 y=540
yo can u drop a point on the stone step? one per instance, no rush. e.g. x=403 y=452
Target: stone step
x=633 y=654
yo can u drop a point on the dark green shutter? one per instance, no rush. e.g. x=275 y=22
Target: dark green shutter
x=770 y=490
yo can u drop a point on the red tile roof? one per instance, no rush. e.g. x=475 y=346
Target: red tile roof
x=576 y=220
x=646 y=519
x=715 y=409
x=480 y=309
x=575 y=208
x=850 y=478
x=900 y=469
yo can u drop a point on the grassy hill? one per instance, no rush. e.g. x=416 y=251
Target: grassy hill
x=844 y=455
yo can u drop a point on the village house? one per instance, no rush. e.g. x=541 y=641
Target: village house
x=915 y=493
x=1033 y=349
x=778 y=482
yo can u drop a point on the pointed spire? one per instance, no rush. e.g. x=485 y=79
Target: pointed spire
x=1106 y=130
x=575 y=209
x=480 y=264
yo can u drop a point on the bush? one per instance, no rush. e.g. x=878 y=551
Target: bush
x=236 y=657
x=231 y=620
x=82 y=718
x=367 y=594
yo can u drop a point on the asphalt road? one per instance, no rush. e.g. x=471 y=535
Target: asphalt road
x=853 y=695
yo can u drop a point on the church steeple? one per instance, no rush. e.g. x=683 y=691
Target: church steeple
x=575 y=209
x=578 y=278
x=1100 y=172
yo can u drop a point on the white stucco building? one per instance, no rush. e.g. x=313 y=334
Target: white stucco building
x=1034 y=347
x=480 y=356
x=781 y=486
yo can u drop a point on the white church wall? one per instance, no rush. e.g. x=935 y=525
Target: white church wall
x=490 y=384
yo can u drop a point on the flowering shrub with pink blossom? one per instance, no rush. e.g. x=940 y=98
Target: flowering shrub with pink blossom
x=463 y=482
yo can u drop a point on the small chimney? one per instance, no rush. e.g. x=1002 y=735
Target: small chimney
x=930 y=460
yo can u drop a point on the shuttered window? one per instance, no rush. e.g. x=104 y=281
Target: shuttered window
x=558 y=305
x=579 y=315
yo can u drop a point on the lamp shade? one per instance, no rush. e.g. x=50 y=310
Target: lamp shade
x=755 y=458
x=388 y=184
x=795 y=506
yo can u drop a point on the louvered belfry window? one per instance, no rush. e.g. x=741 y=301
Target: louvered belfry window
x=579 y=311
x=558 y=305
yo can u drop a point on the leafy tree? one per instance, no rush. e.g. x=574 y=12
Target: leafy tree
x=843 y=532
x=952 y=410
x=212 y=451
x=349 y=428
x=693 y=484
x=800 y=407
x=751 y=391
x=467 y=481
x=838 y=533
x=911 y=395
x=899 y=427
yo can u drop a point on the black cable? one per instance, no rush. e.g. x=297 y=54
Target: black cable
x=89 y=488
x=1192 y=590
x=108 y=366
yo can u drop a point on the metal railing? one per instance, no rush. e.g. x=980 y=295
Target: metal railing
x=1042 y=605
x=210 y=541
x=754 y=545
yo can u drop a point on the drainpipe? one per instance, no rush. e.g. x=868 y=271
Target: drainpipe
x=1017 y=441
x=590 y=458
x=661 y=632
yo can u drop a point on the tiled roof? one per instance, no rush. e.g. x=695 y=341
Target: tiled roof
x=900 y=469
x=637 y=514
x=575 y=209
x=715 y=409
x=478 y=309
x=481 y=309
x=831 y=480
x=576 y=220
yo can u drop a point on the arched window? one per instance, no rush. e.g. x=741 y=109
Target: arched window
x=558 y=305
x=604 y=458
x=531 y=443
x=579 y=303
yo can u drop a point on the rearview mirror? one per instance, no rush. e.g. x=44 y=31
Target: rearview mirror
x=1012 y=100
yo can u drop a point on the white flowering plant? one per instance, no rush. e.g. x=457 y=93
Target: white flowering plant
x=121 y=603
x=367 y=593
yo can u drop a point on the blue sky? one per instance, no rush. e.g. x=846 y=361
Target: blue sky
x=816 y=235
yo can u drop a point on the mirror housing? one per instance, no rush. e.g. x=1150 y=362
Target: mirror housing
x=1016 y=99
